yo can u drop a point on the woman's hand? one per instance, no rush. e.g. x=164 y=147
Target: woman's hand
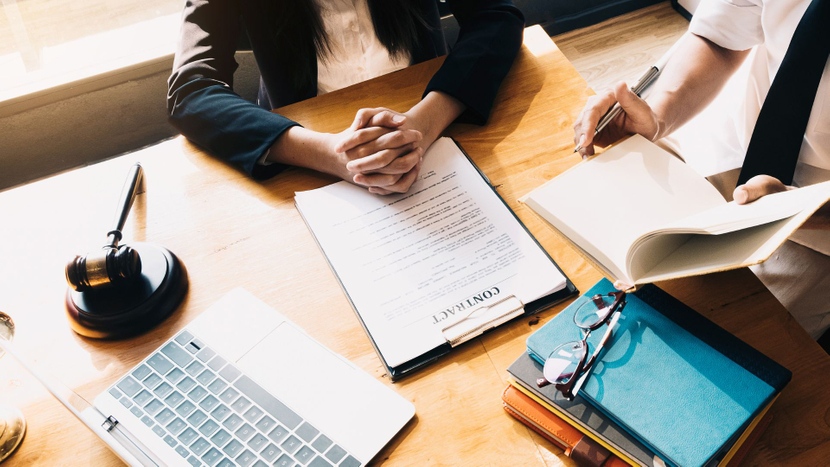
x=377 y=170
x=324 y=152
x=382 y=153
x=382 y=149
x=637 y=117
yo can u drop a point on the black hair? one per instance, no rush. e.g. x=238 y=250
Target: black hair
x=301 y=35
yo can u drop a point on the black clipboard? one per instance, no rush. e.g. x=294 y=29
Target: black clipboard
x=397 y=372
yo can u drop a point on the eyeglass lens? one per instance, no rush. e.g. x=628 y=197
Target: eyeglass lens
x=563 y=362
x=594 y=311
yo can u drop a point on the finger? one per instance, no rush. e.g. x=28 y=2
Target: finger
x=363 y=116
x=577 y=128
x=613 y=132
x=403 y=164
x=379 y=180
x=584 y=150
x=379 y=191
x=379 y=160
x=398 y=138
x=387 y=118
x=360 y=119
x=392 y=139
x=756 y=187
x=595 y=108
x=361 y=136
x=633 y=105
x=405 y=182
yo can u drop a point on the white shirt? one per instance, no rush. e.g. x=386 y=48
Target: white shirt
x=768 y=26
x=715 y=141
x=356 y=53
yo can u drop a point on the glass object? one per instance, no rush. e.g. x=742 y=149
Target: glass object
x=12 y=424
x=569 y=361
x=6 y=329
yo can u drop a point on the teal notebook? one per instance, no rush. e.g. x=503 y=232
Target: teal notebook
x=673 y=379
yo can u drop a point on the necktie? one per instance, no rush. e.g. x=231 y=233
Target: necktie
x=778 y=134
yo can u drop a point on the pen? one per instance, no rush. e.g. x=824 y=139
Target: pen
x=644 y=82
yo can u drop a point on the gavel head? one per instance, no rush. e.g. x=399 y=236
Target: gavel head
x=110 y=266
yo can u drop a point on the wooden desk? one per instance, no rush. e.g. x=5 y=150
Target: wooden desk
x=231 y=231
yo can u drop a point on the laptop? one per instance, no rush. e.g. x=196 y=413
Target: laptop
x=242 y=385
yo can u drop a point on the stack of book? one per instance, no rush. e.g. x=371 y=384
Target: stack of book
x=671 y=388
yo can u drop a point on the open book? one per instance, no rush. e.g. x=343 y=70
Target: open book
x=641 y=215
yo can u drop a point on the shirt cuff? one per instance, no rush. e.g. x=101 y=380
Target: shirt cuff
x=731 y=24
x=262 y=159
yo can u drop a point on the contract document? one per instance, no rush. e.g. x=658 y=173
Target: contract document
x=415 y=264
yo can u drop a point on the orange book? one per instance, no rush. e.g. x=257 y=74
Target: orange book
x=582 y=449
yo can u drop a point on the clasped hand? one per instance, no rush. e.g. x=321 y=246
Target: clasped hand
x=382 y=151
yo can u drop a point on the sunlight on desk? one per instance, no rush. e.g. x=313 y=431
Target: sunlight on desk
x=537 y=42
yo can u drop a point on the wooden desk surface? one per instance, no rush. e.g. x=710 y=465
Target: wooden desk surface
x=231 y=231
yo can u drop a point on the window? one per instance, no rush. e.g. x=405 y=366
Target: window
x=45 y=43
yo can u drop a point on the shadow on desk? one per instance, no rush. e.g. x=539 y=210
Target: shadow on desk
x=518 y=92
x=390 y=448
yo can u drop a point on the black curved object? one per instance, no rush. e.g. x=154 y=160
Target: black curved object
x=120 y=312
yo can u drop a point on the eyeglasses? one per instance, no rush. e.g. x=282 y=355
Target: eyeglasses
x=569 y=362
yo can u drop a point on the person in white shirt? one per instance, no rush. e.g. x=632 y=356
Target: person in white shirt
x=722 y=34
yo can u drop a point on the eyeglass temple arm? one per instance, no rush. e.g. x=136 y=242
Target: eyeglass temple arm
x=597 y=299
x=601 y=345
x=608 y=333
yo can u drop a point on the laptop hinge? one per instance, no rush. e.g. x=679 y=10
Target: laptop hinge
x=109 y=424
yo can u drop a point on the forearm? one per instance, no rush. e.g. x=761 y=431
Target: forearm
x=227 y=125
x=489 y=39
x=302 y=147
x=435 y=112
x=693 y=77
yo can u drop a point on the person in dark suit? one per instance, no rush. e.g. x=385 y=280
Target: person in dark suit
x=307 y=47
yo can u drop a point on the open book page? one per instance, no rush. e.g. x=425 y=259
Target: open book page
x=604 y=204
x=653 y=248
x=749 y=240
x=702 y=254
x=415 y=263
x=732 y=216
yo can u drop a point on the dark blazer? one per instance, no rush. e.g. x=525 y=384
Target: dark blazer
x=203 y=107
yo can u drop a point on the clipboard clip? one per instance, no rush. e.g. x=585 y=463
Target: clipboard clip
x=483 y=318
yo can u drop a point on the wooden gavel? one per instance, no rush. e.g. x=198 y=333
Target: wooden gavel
x=114 y=265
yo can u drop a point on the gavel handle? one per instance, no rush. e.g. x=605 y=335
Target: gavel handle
x=125 y=203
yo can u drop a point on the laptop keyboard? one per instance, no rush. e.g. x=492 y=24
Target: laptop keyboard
x=212 y=414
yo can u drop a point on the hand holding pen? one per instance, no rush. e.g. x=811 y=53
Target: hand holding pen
x=618 y=112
